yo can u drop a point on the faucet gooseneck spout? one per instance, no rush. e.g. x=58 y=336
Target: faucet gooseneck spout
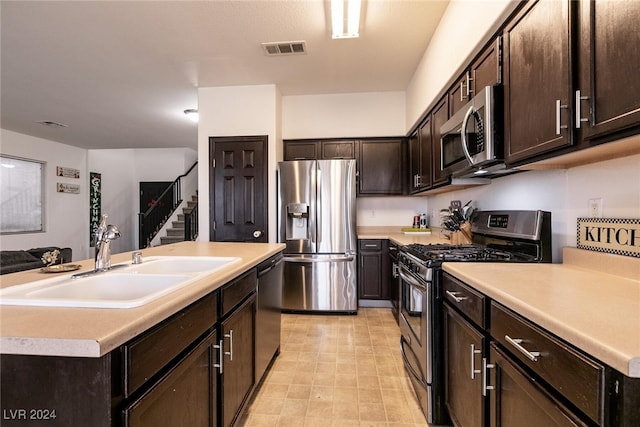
x=103 y=237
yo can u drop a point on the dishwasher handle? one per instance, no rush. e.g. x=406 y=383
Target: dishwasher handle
x=269 y=265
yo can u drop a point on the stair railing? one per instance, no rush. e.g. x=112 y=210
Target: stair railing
x=191 y=224
x=151 y=221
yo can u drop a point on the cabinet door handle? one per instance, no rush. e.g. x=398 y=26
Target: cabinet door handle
x=455 y=296
x=219 y=346
x=579 y=99
x=559 y=127
x=469 y=80
x=462 y=98
x=474 y=371
x=516 y=342
x=230 y=352
x=485 y=372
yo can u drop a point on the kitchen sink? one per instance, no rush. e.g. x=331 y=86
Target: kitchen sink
x=127 y=286
x=181 y=265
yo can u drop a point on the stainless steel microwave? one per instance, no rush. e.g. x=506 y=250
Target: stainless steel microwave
x=471 y=142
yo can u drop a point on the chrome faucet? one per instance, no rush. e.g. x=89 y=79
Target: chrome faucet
x=103 y=237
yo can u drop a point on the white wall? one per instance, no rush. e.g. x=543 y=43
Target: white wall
x=238 y=111
x=463 y=25
x=67 y=215
x=344 y=115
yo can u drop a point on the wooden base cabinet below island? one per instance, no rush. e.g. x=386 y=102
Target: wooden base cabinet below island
x=195 y=368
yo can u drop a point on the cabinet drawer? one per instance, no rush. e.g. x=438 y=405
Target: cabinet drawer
x=577 y=377
x=370 y=245
x=233 y=293
x=153 y=350
x=467 y=300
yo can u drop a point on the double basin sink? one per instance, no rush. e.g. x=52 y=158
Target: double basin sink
x=127 y=285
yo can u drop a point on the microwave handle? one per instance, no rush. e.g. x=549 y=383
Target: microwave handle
x=463 y=135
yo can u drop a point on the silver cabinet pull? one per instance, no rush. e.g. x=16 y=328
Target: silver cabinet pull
x=469 y=80
x=455 y=296
x=474 y=371
x=230 y=352
x=485 y=368
x=559 y=127
x=579 y=99
x=516 y=342
x=462 y=98
x=219 y=346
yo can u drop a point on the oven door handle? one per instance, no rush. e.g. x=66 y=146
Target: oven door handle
x=412 y=281
x=407 y=364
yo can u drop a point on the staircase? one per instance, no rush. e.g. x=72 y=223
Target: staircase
x=176 y=232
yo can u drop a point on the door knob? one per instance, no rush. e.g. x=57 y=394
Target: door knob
x=257 y=234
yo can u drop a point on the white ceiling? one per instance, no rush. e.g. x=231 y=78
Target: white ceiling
x=120 y=73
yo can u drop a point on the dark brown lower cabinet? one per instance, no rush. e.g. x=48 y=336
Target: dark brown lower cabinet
x=373 y=269
x=238 y=362
x=464 y=346
x=517 y=399
x=186 y=395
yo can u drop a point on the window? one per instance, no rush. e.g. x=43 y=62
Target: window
x=21 y=195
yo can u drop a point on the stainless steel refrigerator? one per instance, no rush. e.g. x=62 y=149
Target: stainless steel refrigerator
x=317 y=222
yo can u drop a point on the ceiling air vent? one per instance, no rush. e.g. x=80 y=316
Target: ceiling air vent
x=284 y=48
x=52 y=124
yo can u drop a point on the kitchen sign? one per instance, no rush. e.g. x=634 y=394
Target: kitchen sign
x=610 y=235
x=95 y=204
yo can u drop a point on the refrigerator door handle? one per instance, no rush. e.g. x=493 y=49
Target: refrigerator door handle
x=315 y=260
x=319 y=203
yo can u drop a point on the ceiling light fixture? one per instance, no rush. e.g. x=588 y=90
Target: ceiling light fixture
x=345 y=19
x=192 y=114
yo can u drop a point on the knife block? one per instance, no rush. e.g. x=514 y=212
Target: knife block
x=462 y=237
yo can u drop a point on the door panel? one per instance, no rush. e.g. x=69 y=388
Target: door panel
x=239 y=184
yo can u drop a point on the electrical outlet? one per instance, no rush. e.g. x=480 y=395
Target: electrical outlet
x=595 y=208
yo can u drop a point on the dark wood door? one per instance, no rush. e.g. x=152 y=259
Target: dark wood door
x=239 y=182
x=487 y=68
x=609 y=63
x=238 y=366
x=439 y=114
x=537 y=82
x=426 y=135
x=186 y=395
x=463 y=354
x=381 y=166
x=519 y=400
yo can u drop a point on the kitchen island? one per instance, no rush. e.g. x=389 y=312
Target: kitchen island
x=157 y=364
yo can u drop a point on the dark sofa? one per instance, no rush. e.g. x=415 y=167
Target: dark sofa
x=13 y=261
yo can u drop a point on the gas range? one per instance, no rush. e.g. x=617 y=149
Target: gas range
x=498 y=236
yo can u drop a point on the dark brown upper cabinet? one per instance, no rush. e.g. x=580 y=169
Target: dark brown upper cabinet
x=486 y=70
x=608 y=94
x=305 y=149
x=381 y=166
x=537 y=80
x=439 y=115
x=420 y=157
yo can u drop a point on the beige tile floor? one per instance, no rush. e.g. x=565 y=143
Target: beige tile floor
x=337 y=371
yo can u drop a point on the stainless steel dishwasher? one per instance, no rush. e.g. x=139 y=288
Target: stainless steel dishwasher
x=268 y=315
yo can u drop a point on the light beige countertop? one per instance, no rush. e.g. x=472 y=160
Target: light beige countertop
x=93 y=332
x=394 y=233
x=592 y=300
